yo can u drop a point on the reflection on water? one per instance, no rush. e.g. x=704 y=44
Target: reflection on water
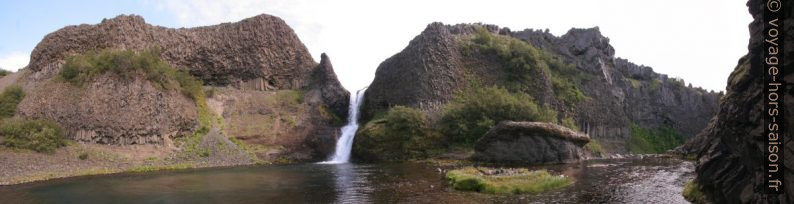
x=351 y=183
x=634 y=180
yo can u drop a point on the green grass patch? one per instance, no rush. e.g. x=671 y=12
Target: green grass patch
x=655 y=85
x=9 y=100
x=653 y=141
x=693 y=194
x=472 y=113
x=636 y=84
x=37 y=135
x=191 y=144
x=594 y=147
x=127 y=64
x=517 y=181
x=570 y=123
x=152 y=168
x=523 y=61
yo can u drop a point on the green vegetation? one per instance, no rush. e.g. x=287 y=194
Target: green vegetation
x=151 y=168
x=37 y=135
x=470 y=114
x=9 y=100
x=594 y=147
x=83 y=156
x=677 y=82
x=191 y=145
x=517 y=181
x=523 y=62
x=401 y=133
x=653 y=141
x=127 y=64
x=4 y=72
x=570 y=123
x=693 y=194
x=635 y=83
x=655 y=84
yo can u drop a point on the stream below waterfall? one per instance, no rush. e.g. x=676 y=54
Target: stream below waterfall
x=629 y=180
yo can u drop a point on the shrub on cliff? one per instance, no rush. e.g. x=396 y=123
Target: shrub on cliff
x=522 y=62
x=37 y=135
x=470 y=114
x=9 y=100
x=127 y=64
x=401 y=133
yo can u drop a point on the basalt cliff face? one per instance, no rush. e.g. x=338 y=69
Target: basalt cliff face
x=436 y=65
x=732 y=149
x=257 y=69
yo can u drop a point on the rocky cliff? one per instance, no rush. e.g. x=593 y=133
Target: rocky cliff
x=618 y=95
x=732 y=149
x=258 y=61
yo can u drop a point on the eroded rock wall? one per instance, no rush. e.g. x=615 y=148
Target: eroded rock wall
x=732 y=149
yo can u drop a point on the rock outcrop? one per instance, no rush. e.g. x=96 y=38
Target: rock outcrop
x=732 y=149
x=260 y=52
x=256 y=62
x=530 y=143
x=436 y=65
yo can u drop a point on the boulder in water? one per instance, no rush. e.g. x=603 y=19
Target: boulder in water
x=530 y=143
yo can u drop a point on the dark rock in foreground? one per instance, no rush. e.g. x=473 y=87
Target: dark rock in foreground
x=530 y=143
x=732 y=149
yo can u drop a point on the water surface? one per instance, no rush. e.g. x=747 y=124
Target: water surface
x=634 y=180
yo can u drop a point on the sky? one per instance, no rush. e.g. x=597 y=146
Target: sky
x=699 y=41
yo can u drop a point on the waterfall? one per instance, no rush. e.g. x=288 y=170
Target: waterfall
x=345 y=143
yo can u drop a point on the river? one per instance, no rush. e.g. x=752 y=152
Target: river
x=629 y=180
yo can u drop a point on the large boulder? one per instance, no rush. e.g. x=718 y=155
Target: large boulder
x=530 y=143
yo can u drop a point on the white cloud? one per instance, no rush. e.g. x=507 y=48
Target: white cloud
x=14 y=61
x=698 y=41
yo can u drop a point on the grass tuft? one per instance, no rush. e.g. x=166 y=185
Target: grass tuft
x=594 y=147
x=517 y=181
x=693 y=194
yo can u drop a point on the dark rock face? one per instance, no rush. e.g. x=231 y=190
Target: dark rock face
x=254 y=62
x=733 y=149
x=424 y=75
x=530 y=143
x=111 y=111
x=262 y=49
x=324 y=80
x=434 y=67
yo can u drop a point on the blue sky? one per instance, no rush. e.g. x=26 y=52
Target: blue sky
x=699 y=41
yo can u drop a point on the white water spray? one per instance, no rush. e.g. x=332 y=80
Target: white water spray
x=345 y=143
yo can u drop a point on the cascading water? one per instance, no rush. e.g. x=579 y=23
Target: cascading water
x=345 y=143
